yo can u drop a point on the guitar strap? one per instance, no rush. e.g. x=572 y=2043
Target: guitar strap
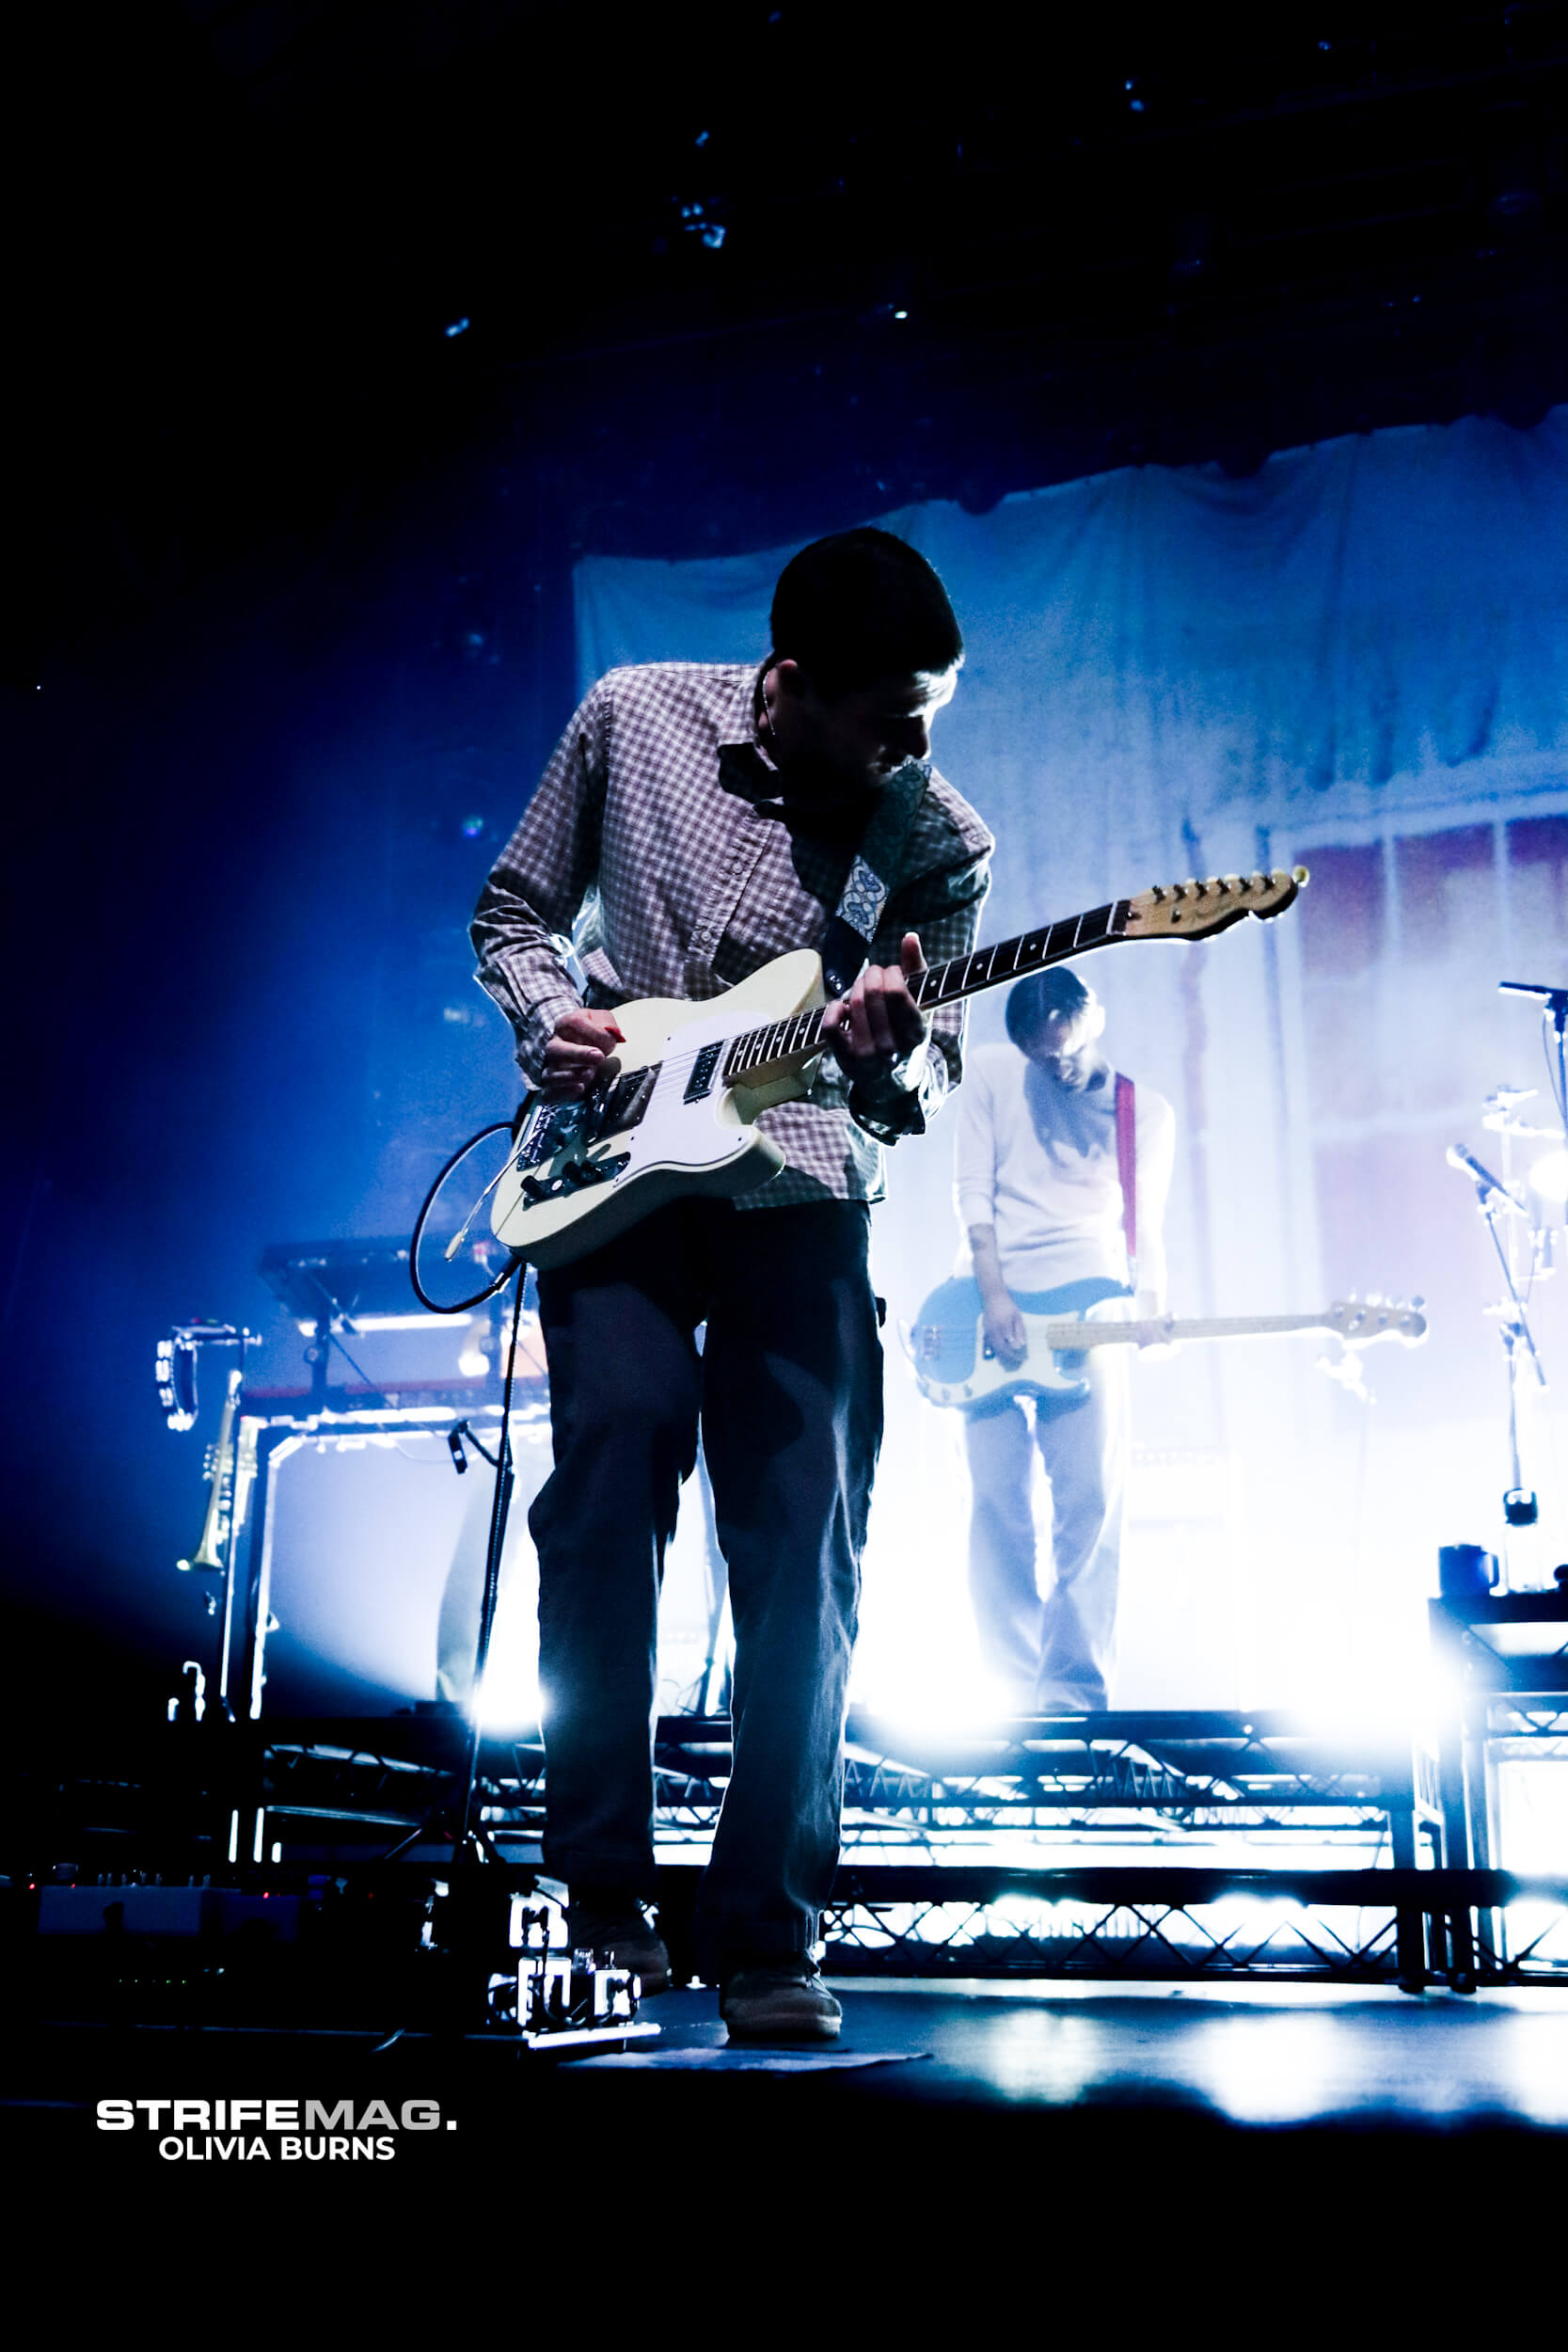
x=1127 y=1168
x=873 y=871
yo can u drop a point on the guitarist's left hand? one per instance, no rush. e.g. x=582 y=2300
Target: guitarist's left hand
x=877 y=1024
x=1149 y=1307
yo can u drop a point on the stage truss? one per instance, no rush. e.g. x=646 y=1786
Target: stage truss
x=1053 y=1848
x=1354 y=1927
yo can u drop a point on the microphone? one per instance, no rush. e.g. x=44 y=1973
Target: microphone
x=1486 y=1184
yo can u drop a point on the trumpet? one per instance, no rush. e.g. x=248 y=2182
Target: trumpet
x=223 y=1479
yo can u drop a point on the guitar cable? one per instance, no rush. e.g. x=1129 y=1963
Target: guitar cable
x=461 y=1306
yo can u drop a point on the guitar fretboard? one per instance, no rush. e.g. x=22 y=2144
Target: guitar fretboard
x=1062 y=1337
x=799 y=1037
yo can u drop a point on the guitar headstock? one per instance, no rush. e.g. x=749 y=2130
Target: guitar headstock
x=1196 y=909
x=1359 y=1321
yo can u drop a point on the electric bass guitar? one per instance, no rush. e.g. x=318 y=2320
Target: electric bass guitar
x=954 y=1364
x=681 y=1116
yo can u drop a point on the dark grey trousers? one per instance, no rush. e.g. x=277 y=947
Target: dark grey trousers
x=788 y=1387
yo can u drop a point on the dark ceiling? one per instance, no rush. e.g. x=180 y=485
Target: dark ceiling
x=719 y=273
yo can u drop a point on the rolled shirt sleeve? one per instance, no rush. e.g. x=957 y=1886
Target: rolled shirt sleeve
x=943 y=909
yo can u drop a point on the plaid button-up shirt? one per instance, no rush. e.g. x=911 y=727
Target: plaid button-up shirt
x=658 y=840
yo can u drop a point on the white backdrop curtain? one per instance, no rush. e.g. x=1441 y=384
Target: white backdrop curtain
x=1363 y=645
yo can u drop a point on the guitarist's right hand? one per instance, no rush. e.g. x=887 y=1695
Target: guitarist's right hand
x=1006 y=1334
x=578 y=1060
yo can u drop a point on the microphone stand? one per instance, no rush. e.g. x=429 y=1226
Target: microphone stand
x=1554 y=1008
x=1521 y=1507
x=447 y=1819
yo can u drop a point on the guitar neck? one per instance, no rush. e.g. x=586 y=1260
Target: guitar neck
x=1062 y=1336
x=764 y=1053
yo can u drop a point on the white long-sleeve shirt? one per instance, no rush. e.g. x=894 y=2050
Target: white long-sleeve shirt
x=1038 y=1162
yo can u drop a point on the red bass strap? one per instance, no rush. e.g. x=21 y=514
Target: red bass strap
x=1127 y=1168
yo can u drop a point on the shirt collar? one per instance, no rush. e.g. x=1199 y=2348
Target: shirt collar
x=737 y=718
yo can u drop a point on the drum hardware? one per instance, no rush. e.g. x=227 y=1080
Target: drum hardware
x=1500 y=1198
x=1495 y=1200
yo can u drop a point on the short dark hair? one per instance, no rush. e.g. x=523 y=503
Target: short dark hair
x=862 y=605
x=1057 y=990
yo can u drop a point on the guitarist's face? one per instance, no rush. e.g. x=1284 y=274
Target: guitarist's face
x=1063 y=1043
x=855 y=740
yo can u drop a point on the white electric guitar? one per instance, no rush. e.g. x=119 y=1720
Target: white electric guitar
x=681 y=1117
x=954 y=1364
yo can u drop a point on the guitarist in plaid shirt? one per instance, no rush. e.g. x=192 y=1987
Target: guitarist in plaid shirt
x=696 y=820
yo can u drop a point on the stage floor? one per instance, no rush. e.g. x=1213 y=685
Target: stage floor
x=1272 y=2054
x=923 y=2076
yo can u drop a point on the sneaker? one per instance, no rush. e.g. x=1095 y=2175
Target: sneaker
x=780 y=2001
x=621 y=1929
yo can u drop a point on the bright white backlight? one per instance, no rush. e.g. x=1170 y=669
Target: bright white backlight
x=1549 y=1176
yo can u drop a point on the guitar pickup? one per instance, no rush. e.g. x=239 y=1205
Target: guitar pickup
x=701 y=1080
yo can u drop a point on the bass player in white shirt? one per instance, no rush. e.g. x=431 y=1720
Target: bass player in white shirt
x=1047 y=1132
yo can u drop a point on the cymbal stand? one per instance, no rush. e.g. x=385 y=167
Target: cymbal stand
x=1492 y=1202
x=1520 y=1507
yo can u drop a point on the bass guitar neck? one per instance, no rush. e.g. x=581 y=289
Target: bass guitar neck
x=955 y=1363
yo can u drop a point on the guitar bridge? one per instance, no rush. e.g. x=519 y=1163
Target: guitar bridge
x=549 y=1128
x=626 y=1101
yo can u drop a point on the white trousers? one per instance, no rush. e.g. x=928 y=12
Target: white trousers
x=1053 y=1651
